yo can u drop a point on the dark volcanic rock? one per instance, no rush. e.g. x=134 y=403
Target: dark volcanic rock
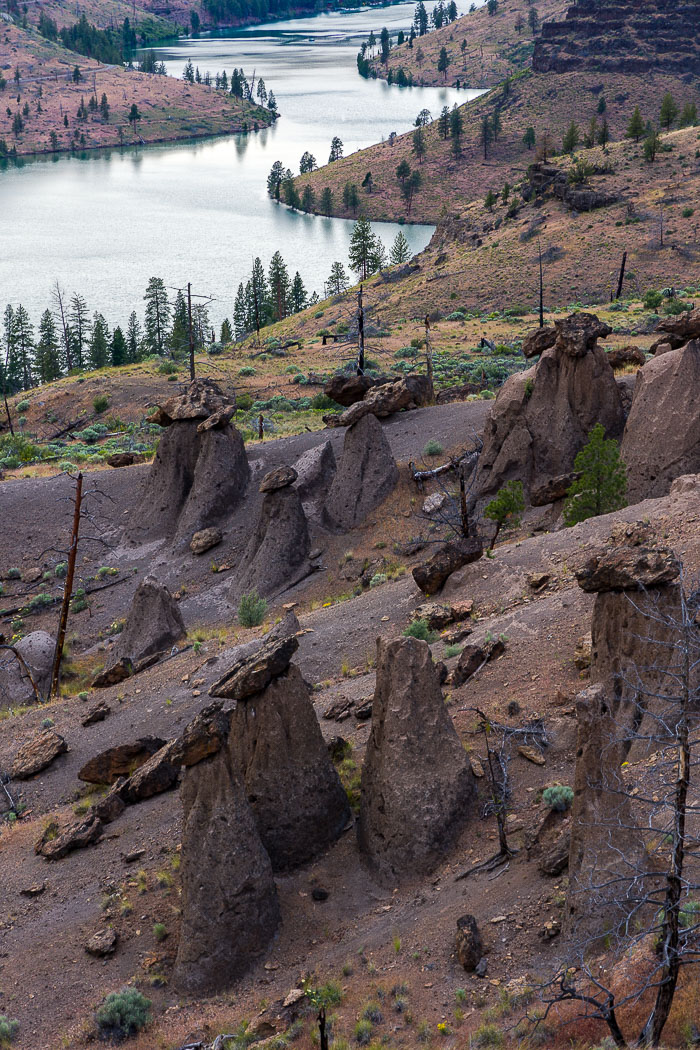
x=154 y=623
x=366 y=475
x=119 y=761
x=315 y=471
x=628 y=569
x=278 y=479
x=388 y=398
x=205 y=539
x=345 y=390
x=230 y=910
x=37 y=753
x=432 y=574
x=417 y=784
x=298 y=802
x=277 y=555
x=117 y=672
x=253 y=672
x=538 y=341
x=468 y=943
x=55 y=843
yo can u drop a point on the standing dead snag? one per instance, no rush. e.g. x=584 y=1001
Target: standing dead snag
x=68 y=589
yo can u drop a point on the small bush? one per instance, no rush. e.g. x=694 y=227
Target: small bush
x=329 y=994
x=14 y=574
x=452 y=650
x=159 y=931
x=8 y=1029
x=61 y=570
x=558 y=797
x=167 y=368
x=100 y=403
x=378 y=579
x=432 y=448
x=488 y=1035
x=247 y=370
x=372 y=1013
x=123 y=1013
x=363 y=1032
x=687 y=213
x=251 y=610
x=22 y=406
x=653 y=299
x=419 y=629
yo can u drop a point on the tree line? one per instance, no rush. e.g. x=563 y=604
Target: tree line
x=237 y=85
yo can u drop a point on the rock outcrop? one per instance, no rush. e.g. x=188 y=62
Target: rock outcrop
x=622 y=36
x=432 y=574
x=366 y=475
x=542 y=417
x=417 y=784
x=386 y=399
x=230 y=910
x=654 y=451
x=37 y=651
x=606 y=848
x=37 y=753
x=277 y=555
x=200 y=472
x=153 y=624
x=298 y=802
x=315 y=471
x=119 y=761
x=253 y=671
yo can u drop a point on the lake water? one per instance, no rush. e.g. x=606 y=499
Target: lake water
x=102 y=224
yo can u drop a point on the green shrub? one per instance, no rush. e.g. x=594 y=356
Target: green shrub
x=8 y=1029
x=687 y=213
x=251 y=610
x=14 y=574
x=247 y=370
x=507 y=507
x=373 y=1013
x=159 y=931
x=652 y=300
x=488 y=1035
x=123 y=1013
x=407 y=351
x=378 y=579
x=363 y=1032
x=676 y=306
x=432 y=448
x=329 y=994
x=22 y=406
x=167 y=368
x=558 y=797
x=100 y=403
x=15 y=450
x=61 y=570
x=452 y=650
x=419 y=629
x=79 y=601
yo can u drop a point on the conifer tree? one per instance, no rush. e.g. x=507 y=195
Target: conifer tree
x=157 y=315
x=134 y=339
x=118 y=348
x=602 y=486
x=47 y=360
x=79 y=329
x=226 y=335
x=400 y=251
x=278 y=279
x=99 y=343
x=635 y=128
x=298 y=297
x=337 y=281
x=24 y=348
x=669 y=111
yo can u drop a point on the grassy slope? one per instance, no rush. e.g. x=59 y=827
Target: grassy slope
x=101 y=13
x=171 y=109
x=544 y=102
x=494 y=47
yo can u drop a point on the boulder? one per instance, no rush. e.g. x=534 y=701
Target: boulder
x=681 y=329
x=582 y=653
x=628 y=569
x=473 y=657
x=154 y=623
x=542 y=417
x=366 y=475
x=468 y=943
x=388 y=398
x=97 y=713
x=432 y=574
x=156 y=775
x=298 y=802
x=606 y=847
x=205 y=539
x=117 y=672
x=253 y=672
x=230 y=910
x=56 y=843
x=102 y=943
x=279 y=478
x=315 y=470
x=277 y=555
x=417 y=785
x=123 y=459
x=111 y=806
x=538 y=341
x=37 y=753
x=623 y=356
x=345 y=390
x=37 y=651
x=119 y=761
x=200 y=399
x=553 y=489
x=654 y=452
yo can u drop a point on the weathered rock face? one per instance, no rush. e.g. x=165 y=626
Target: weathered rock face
x=56 y=843
x=253 y=671
x=622 y=36
x=606 y=848
x=277 y=555
x=205 y=539
x=345 y=390
x=653 y=451
x=37 y=651
x=432 y=574
x=315 y=471
x=468 y=943
x=628 y=568
x=298 y=802
x=153 y=624
x=542 y=417
x=119 y=761
x=366 y=475
x=548 y=178
x=230 y=910
x=417 y=784
x=200 y=471
x=386 y=399
x=37 y=753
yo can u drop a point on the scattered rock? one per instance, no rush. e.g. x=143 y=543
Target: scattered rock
x=56 y=843
x=555 y=860
x=435 y=614
x=253 y=673
x=294 y=792
x=432 y=574
x=205 y=539
x=366 y=475
x=97 y=713
x=537 y=581
x=118 y=672
x=134 y=855
x=470 y=949
x=119 y=761
x=279 y=478
x=102 y=943
x=388 y=398
x=230 y=910
x=551 y=929
x=477 y=767
x=582 y=653
x=473 y=657
x=319 y=894
x=434 y=503
x=345 y=390
x=553 y=489
x=417 y=788
x=33 y=891
x=111 y=806
x=123 y=459
x=37 y=753
x=623 y=356
x=532 y=754
x=157 y=774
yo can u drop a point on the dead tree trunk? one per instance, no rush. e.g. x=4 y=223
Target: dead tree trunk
x=68 y=589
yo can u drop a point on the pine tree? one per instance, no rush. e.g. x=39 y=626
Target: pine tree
x=99 y=343
x=362 y=245
x=298 y=297
x=157 y=315
x=47 y=362
x=669 y=111
x=486 y=134
x=226 y=335
x=278 y=278
x=258 y=297
x=689 y=116
x=188 y=72
x=24 y=348
x=529 y=137
x=337 y=281
x=79 y=327
x=400 y=251
x=117 y=348
x=180 y=333
x=241 y=317
x=134 y=339
x=602 y=486
x=336 y=149
x=419 y=145
x=571 y=138
x=307 y=162
x=635 y=128
x=326 y=200
x=443 y=63
x=10 y=377
x=308 y=199
x=506 y=508
x=201 y=327
x=444 y=122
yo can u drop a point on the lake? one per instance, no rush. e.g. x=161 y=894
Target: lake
x=103 y=223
